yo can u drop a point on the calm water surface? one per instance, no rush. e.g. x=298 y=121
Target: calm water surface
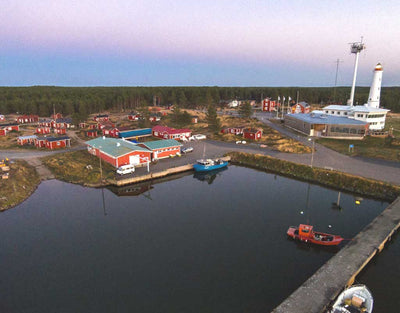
x=205 y=244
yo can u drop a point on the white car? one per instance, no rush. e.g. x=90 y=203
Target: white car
x=197 y=137
x=126 y=169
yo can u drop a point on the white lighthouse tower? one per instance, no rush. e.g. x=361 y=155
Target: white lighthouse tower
x=375 y=90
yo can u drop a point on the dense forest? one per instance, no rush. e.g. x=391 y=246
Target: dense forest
x=80 y=101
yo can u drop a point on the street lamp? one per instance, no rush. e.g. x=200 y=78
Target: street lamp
x=312 y=150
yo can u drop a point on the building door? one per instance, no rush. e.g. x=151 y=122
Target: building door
x=134 y=159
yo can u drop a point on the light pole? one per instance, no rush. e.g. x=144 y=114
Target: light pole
x=312 y=150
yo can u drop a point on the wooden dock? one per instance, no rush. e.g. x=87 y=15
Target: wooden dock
x=154 y=175
x=319 y=291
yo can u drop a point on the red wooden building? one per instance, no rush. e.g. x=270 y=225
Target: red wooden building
x=56 y=116
x=162 y=148
x=269 y=105
x=45 y=123
x=165 y=132
x=2 y=118
x=93 y=126
x=118 y=152
x=236 y=130
x=61 y=123
x=301 y=107
x=154 y=118
x=27 y=119
x=92 y=133
x=40 y=142
x=57 y=142
x=60 y=131
x=101 y=118
x=134 y=116
x=82 y=125
x=26 y=140
x=251 y=133
x=43 y=130
x=5 y=128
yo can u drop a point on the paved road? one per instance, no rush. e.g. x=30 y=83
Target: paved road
x=323 y=157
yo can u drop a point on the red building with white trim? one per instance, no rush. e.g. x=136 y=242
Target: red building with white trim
x=165 y=132
x=269 y=105
x=162 y=148
x=57 y=142
x=60 y=131
x=43 y=130
x=236 y=130
x=251 y=133
x=101 y=118
x=27 y=119
x=118 y=152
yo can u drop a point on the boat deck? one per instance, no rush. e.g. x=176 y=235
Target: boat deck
x=320 y=290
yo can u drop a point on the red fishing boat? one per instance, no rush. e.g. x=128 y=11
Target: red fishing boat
x=305 y=233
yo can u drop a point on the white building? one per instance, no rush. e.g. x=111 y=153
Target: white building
x=369 y=112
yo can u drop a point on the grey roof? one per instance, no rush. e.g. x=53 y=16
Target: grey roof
x=27 y=137
x=356 y=108
x=160 y=144
x=316 y=118
x=114 y=147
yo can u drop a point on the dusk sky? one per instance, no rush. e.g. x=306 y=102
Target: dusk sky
x=196 y=43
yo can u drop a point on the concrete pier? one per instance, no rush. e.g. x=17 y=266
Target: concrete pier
x=160 y=174
x=319 y=291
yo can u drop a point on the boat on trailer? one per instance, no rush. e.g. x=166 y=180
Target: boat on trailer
x=306 y=233
x=354 y=299
x=205 y=165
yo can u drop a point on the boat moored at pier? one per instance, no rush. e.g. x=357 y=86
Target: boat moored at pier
x=307 y=234
x=354 y=299
x=205 y=165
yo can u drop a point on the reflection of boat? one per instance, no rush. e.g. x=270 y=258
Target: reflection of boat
x=305 y=233
x=355 y=299
x=209 y=176
x=205 y=165
x=131 y=190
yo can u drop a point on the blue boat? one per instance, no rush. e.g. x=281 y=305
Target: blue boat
x=209 y=165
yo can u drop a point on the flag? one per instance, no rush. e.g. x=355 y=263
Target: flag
x=283 y=99
x=290 y=99
x=279 y=98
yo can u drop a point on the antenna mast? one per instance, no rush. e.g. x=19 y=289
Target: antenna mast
x=337 y=71
x=356 y=48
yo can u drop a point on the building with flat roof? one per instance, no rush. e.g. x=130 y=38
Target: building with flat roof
x=323 y=125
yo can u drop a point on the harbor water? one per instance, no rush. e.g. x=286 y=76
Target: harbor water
x=195 y=243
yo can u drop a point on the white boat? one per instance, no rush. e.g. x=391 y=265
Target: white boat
x=354 y=299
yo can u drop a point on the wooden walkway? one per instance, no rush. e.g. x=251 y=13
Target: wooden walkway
x=150 y=176
x=319 y=291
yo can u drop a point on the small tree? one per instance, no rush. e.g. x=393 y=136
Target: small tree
x=245 y=110
x=214 y=123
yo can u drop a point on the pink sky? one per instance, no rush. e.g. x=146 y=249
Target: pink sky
x=242 y=34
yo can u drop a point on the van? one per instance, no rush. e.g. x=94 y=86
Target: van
x=125 y=169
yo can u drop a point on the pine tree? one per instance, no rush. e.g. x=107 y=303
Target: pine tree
x=214 y=123
x=245 y=110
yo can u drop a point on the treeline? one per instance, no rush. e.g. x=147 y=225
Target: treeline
x=42 y=100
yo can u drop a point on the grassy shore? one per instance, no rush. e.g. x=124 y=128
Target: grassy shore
x=79 y=167
x=332 y=179
x=22 y=182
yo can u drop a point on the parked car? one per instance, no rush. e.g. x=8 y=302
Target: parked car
x=187 y=149
x=125 y=169
x=197 y=137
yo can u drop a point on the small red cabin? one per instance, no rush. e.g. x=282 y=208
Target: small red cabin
x=60 y=131
x=92 y=133
x=43 y=130
x=253 y=134
x=57 y=142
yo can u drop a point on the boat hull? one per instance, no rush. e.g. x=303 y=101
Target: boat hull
x=356 y=298
x=207 y=168
x=317 y=238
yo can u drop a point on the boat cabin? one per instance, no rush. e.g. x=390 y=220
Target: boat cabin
x=305 y=230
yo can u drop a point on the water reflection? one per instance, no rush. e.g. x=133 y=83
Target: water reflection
x=209 y=177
